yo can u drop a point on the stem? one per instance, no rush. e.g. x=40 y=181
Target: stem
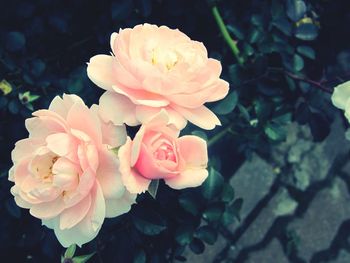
x=231 y=43
x=312 y=82
x=218 y=136
x=296 y=77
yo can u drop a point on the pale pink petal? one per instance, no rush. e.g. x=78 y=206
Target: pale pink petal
x=100 y=71
x=41 y=127
x=88 y=228
x=112 y=135
x=62 y=106
x=118 y=109
x=65 y=174
x=24 y=148
x=51 y=116
x=145 y=114
x=80 y=117
x=132 y=180
x=73 y=215
x=60 y=143
x=47 y=210
x=136 y=146
x=109 y=176
x=88 y=156
x=220 y=90
x=122 y=205
x=202 y=116
x=193 y=151
x=142 y=97
x=86 y=182
x=187 y=178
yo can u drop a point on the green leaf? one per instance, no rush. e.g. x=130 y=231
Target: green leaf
x=283 y=25
x=227 y=105
x=189 y=203
x=228 y=193
x=232 y=212
x=200 y=134
x=207 y=234
x=147 y=221
x=70 y=251
x=306 y=31
x=236 y=31
x=83 y=259
x=140 y=257
x=153 y=188
x=307 y=51
x=296 y=9
x=197 y=246
x=255 y=35
x=248 y=49
x=244 y=112
x=275 y=132
x=298 y=62
x=213 y=184
x=15 y=41
x=234 y=71
x=184 y=234
x=214 y=212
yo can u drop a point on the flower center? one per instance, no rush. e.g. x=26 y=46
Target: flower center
x=42 y=167
x=166 y=58
x=165 y=152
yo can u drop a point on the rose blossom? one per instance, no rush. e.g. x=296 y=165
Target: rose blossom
x=341 y=98
x=158 y=153
x=65 y=172
x=154 y=68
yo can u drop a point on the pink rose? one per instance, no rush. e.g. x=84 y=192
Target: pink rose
x=156 y=68
x=157 y=153
x=65 y=172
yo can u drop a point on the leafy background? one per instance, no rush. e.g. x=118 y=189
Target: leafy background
x=292 y=53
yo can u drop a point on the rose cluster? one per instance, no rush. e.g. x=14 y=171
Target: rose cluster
x=78 y=166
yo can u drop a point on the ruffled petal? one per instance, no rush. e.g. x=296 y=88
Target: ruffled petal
x=118 y=109
x=100 y=71
x=202 y=116
x=187 y=178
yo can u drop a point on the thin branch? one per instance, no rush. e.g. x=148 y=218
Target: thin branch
x=226 y=35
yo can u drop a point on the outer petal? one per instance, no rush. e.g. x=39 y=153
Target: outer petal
x=60 y=143
x=132 y=180
x=80 y=117
x=193 y=151
x=187 y=178
x=73 y=215
x=202 y=116
x=341 y=95
x=88 y=228
x=122 y=205
x=112 y=135
x=100 y=71
x=62 y=106
x=145 y=113
x=109 y=176
x=47 y=210
x=118 y=109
